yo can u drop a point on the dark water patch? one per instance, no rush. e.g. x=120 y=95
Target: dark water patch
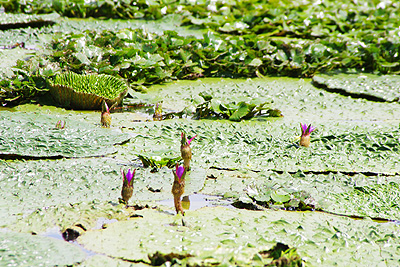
x=29 y=24
x=378 y=88
x=355 y=217
x=324 y=172
x=340 y=91
x=257 y=207
x=57 y=234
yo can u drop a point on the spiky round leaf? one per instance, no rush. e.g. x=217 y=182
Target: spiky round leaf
x=77 y=91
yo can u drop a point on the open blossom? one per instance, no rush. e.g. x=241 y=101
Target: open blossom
x=305 y=134
x=105 y=115
x=178 y=187
x=127 y=185
x=186 y=151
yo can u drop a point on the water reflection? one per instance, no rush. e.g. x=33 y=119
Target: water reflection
x=197 y=201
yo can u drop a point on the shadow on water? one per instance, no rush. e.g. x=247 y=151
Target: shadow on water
x=57 y=234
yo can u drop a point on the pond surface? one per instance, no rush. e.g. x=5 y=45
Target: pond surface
x=245 y=175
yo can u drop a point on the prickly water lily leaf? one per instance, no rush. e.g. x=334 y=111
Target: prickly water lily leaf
x=264 y=193
x=369 y=86
x=34 y=250
x=85 y=215
x=269 y=146
x=14 y=21
x=234 y=111
x=35 y=135
x=280 y=196
x=301 y=43
x=44 y=183
x=155 y=161
x=235 y=237
x=68 y=180
x=311 y=103
x=339 y=193
x=87 y=91
x=102 y=260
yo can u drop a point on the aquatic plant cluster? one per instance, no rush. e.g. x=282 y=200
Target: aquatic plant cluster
x=178 y=186
x=342 y=164
x=243 y=39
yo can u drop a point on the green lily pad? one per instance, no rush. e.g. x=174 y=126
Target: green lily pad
x=58 y=182
x=369 y=86
x=36 y=136
x=101 y=260
x=14 y=21
x=156 y=162
x=280 y=196
x=220 y=235
x=45 y=183
x=351 y=195
x=29 y=250
x=269 y=146
x=234 y=111
x=85 y=215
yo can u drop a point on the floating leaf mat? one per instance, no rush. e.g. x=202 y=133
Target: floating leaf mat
x=268 y=146
x=373 y=87
x=15 y=21
x=35 y=135
x=77 y=91
x=229 y=237
x=17 y=249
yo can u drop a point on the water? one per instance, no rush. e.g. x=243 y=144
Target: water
x=56 y=233
x=197 y=201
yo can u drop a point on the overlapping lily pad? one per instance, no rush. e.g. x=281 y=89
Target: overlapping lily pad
x=265 y=146
x=352 y=195
x=13 y=21
x=28 y=250
x=51 y=182
x=234 y=111
x=369 y=86
x=33 y=135
x=236 y=237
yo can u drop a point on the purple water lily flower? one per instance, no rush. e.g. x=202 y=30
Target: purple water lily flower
x=128 y=176
x=190 y=140
x=127 y=185
x=60 y=124
x=185 y=141
x=178 y=187
x=307 y=130
x=305 y=134
x=179 y=171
